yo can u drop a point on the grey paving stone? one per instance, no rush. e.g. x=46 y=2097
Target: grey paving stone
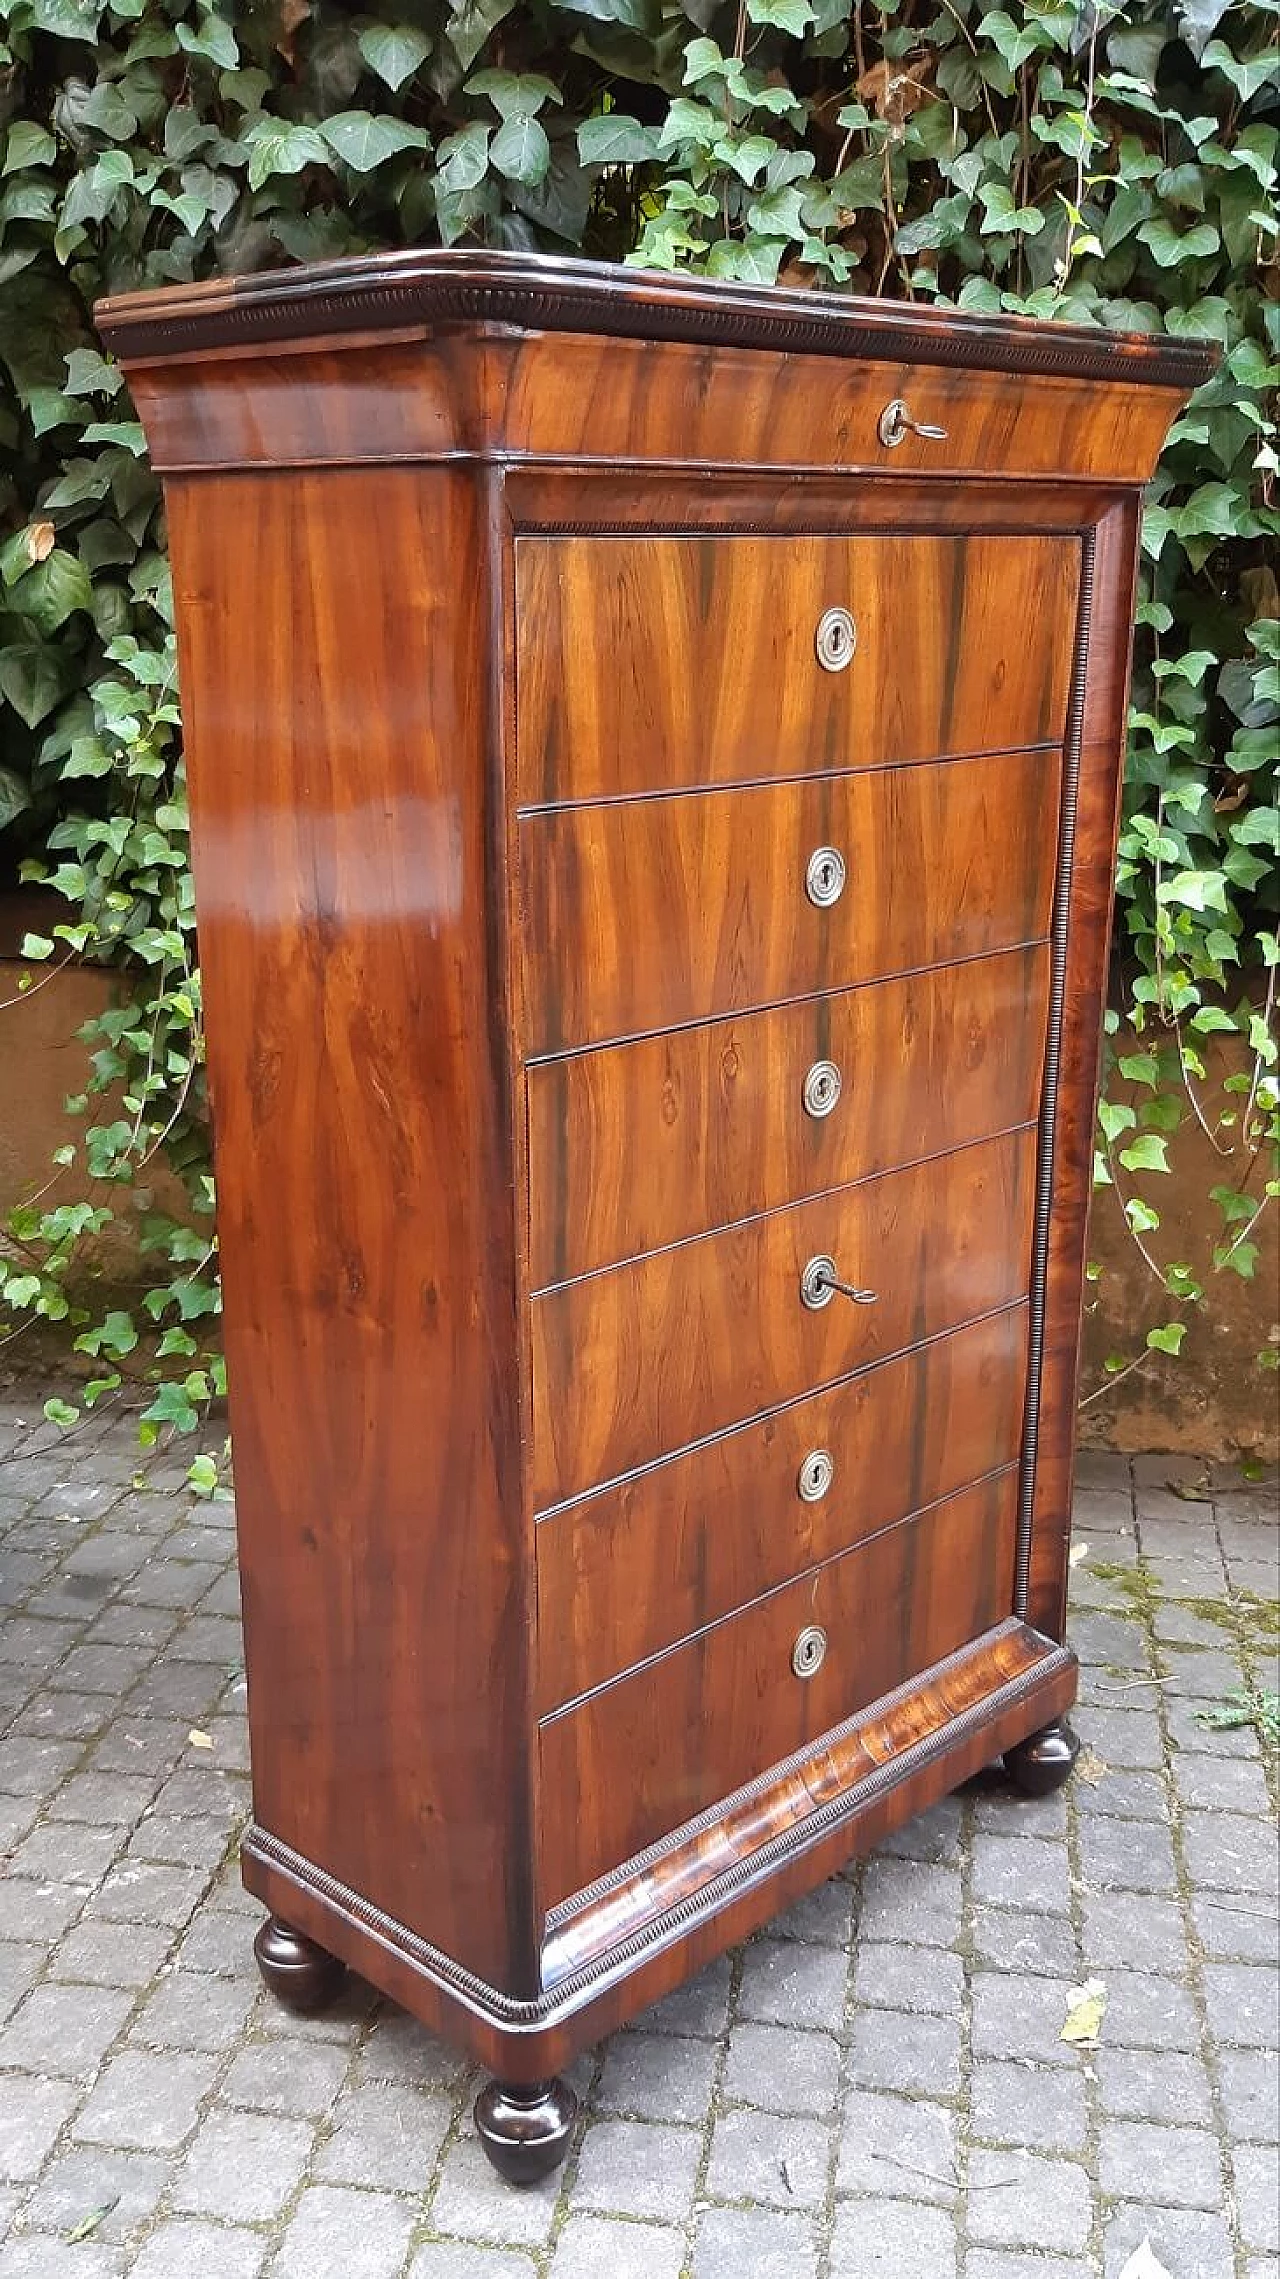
x=387 y=2135
x=1019 y=2199
x=1128 y=1737
x=396 y=2048
x=20 y=1966
x=911 y=1900
x=65 y=2029
x=657 y=2077
x=1244 y=2004
x=1021 y=1871
x=446 y=2259
x=17 y=1815
x=275 y=2077
x=1137 y=1931
x=211 y=2251
x=908 y=1978
x=216 y=1944
x=823 y=1916
x=897 y=2148
x=142 y=1891
x=31 y=2114
x=1197 y=2245
x=61 y=1851
x=1257 y=2198
x=193 y=2011
x=1007 y=2263
x=242 y=2167
x=364 y=2235
x=122 y=2189
x=1030 y=2105
x=1232 y=1928
x=1149 y=2013
x=34 y=1768
x=701 y=2008
x=37 y=2256
x=886 y=2239
x=1224 y=1851
x=1111 y=1642
x=734 y=2242
x=1249 y=2086
x=595 y=2247
x=103 y=1799
x=778 y=2160
x=889 y=2050
x=782 y=2070
x=1123 y=1795
x=933 y=1837
x=111 y=1954
x=1043 y=1946
x=172 y=1842
x=1187 y=1732
x=473 y=2203
x=786 y=1984
x=1132 y=2088
x=145 y=2100
x=1174 y=2167
x=636 y=2168
x=30 y=1911
x=1021 y=2018
x=1127 y=1855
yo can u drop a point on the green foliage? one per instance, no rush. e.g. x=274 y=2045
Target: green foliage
x=1111 y=165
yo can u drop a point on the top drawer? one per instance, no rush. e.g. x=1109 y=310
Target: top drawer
x=645 y=664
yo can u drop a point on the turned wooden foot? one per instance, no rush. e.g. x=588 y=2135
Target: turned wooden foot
x=526 y=2130
x=1041 y=1763
x=299 y=1973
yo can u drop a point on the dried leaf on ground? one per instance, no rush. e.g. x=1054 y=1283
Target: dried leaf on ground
x=198 y=1739
x=1086 y=2008
x=1144 y=2263
x=1090 y=1767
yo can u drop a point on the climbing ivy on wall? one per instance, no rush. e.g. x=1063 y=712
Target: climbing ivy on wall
x=1109 y=164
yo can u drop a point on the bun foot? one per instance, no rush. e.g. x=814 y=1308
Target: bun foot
x=1041 y=1763
x=298 y=1972
x=525 y=2130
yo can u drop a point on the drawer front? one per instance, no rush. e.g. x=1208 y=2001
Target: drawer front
x=648 y=663
x=648 y=913
x=624 y=1574
x=642 y=1757
x=648 y=1143
x=634 y=1363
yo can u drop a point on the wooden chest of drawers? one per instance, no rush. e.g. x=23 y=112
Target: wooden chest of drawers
x=654 y=759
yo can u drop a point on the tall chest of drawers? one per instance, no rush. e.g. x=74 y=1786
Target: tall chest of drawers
x=654 y=755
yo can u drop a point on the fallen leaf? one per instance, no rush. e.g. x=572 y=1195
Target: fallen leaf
x=1090 y=1767
x=198 y=1739
x=1086 y=2008
x=1144 y=2263
x=88 y=2225
x=40 y=541
x=1191 y=1491
x=1079 y=1551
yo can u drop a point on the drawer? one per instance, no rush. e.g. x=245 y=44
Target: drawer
x=626 y=1573
x=648 y=663
x=642 y=1144
x=640 y=1758
x=647 y=913
x=634 y=1363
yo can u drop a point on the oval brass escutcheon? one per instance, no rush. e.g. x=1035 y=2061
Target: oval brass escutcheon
x=824 y=879
x=810 y=1651
x=815 y=1475
x=835 y=640
x=818 y=1282
x=822 y=1088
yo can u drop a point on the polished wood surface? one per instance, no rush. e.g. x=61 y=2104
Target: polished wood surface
x=697 y=905
x=650 y=664
x=497 y=583
x=632 y=1364
x=646 y=1754
x=631 y=1569
x=643 y=1144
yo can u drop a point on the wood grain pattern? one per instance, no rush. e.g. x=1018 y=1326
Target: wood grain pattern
x=625 y=1573
x=696 y=905
x=648 y=1753
x=342 y=819
x=635 y=1146
x=632 y=1364
x=652 y=664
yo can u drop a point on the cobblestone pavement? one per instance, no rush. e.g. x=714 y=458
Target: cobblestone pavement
x=876 y=2089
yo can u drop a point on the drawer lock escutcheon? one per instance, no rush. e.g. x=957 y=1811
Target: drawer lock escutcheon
x=825 y=877
x=821 y=1088
x=820 y=1281
x=896 y=424
x=815 y=1475
x=810 y=1651
x=835 y=640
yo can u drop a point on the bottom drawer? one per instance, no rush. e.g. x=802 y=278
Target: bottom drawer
x=638 y=1759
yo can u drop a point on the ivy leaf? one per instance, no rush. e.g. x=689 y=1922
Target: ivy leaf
x=278 y=147
x=1146 y=1153
x=520 y=150
x=514 y=95
x=393 y=52
x=470 y=25
x=52 y=590
x=34 y=678
x=363 y=142
x=613 y=139
x=28 y=144
x=1167 y=1339
x=1198 y=20
x=212 y=38
x=794 y=16
x=1170 y=247
x=464 y=159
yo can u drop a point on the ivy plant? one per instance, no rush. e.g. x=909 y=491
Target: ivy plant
x=1109 y=164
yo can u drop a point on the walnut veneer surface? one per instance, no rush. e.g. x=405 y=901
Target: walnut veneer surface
x=597 y=938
